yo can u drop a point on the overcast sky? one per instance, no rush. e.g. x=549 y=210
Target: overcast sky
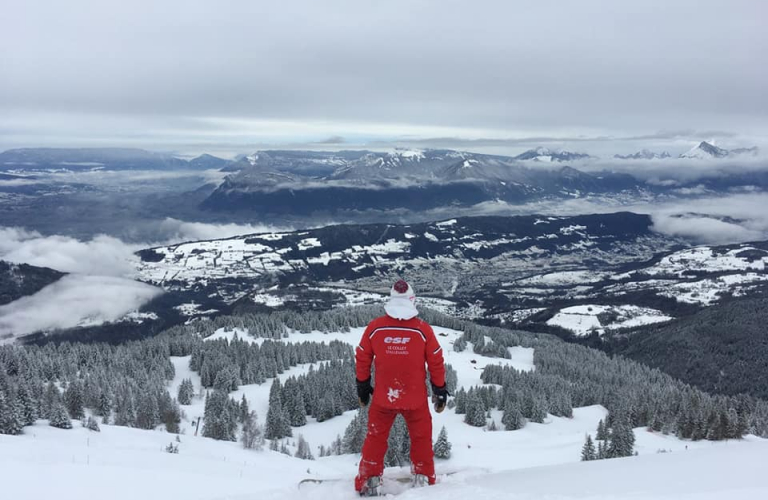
x=229 y=75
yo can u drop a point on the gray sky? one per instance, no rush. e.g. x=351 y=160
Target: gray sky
x=229 y=76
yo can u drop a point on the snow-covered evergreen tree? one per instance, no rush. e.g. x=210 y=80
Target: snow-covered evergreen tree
x=512 y=418
x=186 y=392
x=355 y=433
x=475 y=410
x=621 y=441
x=91 y=424
x=253 y=434
x=303 y=450
x=602 y=432
x=220 y=416
x=27 y=404
x=59 y=417
x=442 y=446
x=11 y=421
x=398 y=444
x=73 y=398
x=588 y=451
x=277 y=426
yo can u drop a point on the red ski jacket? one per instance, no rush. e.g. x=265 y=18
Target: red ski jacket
x=399 y=350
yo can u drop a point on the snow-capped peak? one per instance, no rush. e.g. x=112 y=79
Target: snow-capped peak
x=705 y=150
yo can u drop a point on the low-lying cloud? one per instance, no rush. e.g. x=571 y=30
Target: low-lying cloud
x=102 y=255
x=74 y=300
x=100 y=287
x=716 y=219
x=175 y=231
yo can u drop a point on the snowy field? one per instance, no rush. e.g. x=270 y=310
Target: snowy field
x=584 y=319
x=539 y=461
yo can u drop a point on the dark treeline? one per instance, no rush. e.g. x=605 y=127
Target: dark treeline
x=125 y=385
x=721 y=349
x=224 y=364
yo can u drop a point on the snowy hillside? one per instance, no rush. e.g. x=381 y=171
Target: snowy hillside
x=452 y=259
x=126 y=464
x=538 y=461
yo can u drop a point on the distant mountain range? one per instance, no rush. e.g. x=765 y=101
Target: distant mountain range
x=359 y=164
x=302 y=183
x=58 y=159
x=644 y=155
x=707 y=151
x=360 y=185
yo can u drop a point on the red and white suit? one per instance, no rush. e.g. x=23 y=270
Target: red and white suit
x=401 y=351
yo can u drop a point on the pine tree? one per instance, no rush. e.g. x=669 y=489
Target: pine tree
x=277 y=425
x=220 y=417
x=354 y=434
x=104 y=407
x=294 y=405
x=538 y=409
x=253 y=435
x=398 y=444
x=284 y=448
x=475 y=415
x=148 y=412
x=621 y=441
x=336 y=446
x=461 y=401
x=588 y=451
x=512 y=418
x=303 y=450
x=186 y=392
x=602 y=432
x=601 y=450
x=27 y=405
x=59 y=417
x=92 y=425
x=73 y=398
x=442 y=446
x=11 y=421
x=244 y=410
x=50 y=397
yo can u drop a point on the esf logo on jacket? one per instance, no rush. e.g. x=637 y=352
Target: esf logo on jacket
x=396 y=340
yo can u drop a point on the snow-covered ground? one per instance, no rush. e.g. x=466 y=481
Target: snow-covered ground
x=538 y=461
x=585 y=319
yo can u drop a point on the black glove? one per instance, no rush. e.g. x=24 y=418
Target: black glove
x=364 y=391
x=439 y=397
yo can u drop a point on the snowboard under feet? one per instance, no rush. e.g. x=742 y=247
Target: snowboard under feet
x=371 y=487
x=389 y=485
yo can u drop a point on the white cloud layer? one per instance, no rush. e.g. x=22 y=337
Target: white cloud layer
x=176 y=231
x=101 y=287
x=103 y=255
x=74 y=300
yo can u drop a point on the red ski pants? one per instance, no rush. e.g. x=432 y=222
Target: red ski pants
x=419 y=422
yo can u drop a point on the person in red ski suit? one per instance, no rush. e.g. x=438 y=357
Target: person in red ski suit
x=399 y=345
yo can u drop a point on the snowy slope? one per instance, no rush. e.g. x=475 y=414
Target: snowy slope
x=584 y=319
x=538 y=461
x=126 y=464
